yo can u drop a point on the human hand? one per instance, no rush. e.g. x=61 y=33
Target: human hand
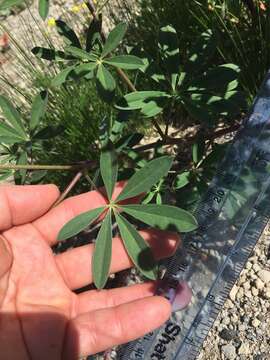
x=40 y=315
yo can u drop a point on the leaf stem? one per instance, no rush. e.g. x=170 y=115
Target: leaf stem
x=68 y=188
x=47 y=167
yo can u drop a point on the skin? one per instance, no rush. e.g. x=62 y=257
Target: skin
x=41 y=317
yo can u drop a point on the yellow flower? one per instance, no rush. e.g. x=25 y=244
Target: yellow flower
x=75 y=9
x=51 y=22
x=84 y=6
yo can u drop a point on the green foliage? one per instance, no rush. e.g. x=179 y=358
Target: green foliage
x=160 y=216
x=101 y=123
x=22 y=136
x=93 y=61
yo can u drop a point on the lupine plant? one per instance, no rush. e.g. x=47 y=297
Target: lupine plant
x=156 y=87
x=164 y=217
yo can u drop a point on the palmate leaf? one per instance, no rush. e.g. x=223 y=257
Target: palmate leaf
x=105 y=79
x=12 y=116
x=128 y=62
x=43 y=8
x=79 y=223
x=38 y=109
x=164 y=217
x=68 y=34
x=109 y=169
x=145 y=178
x=102 y=253
x=114 y=38
x=137 y=248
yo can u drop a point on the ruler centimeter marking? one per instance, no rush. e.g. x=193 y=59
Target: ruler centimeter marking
x=232 y=215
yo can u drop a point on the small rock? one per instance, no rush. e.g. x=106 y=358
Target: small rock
x=229 y=304
x=267 y=294
x=248 y=294
x=244 y=349
x=259 y=284
x=246 y=285
x=227 y=334
x=256 y=267
x=255 y=323
x=233 y=293
x=248 y=265
x=264 y=275
x=240 y=294
x=254 y=291
x=229 y=351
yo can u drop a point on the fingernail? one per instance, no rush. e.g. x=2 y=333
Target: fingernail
x=182 y=296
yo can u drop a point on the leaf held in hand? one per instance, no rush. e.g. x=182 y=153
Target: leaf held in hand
x=164 y=217
x=137 y=248
x=79 y=223
x=145 y=178
x=103 y=253
x=109 y=169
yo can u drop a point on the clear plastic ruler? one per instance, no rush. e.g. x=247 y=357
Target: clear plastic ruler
x=232 y=215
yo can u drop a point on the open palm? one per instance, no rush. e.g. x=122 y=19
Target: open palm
x=41 y=317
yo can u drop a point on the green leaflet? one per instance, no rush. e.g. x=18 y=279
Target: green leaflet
x=6 y=4
x=182 y=180
x=43 y=8
x=164 y=217
x=80 y=53
x=103 y=253
x=128 y=62
x=48 y=54
x=62 y=76
x=145 y=178
x=114 y=38
x=12 y=116
x=137 y=248
x=109 y=170
x=93 y=29
x=140 y=99
x=79 y=223
x=69 y=35
x=8 y=135
x=38 y=109
x=105 y=79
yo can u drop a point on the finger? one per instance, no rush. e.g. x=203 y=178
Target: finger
x=75 y=264
x=21 y=204
x=99 y=330
x=101 y=299
x=51 y=223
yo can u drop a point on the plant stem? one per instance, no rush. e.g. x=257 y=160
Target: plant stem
x=68 y=188
x=47 y=167
x=120 y=72
x=175 y=141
